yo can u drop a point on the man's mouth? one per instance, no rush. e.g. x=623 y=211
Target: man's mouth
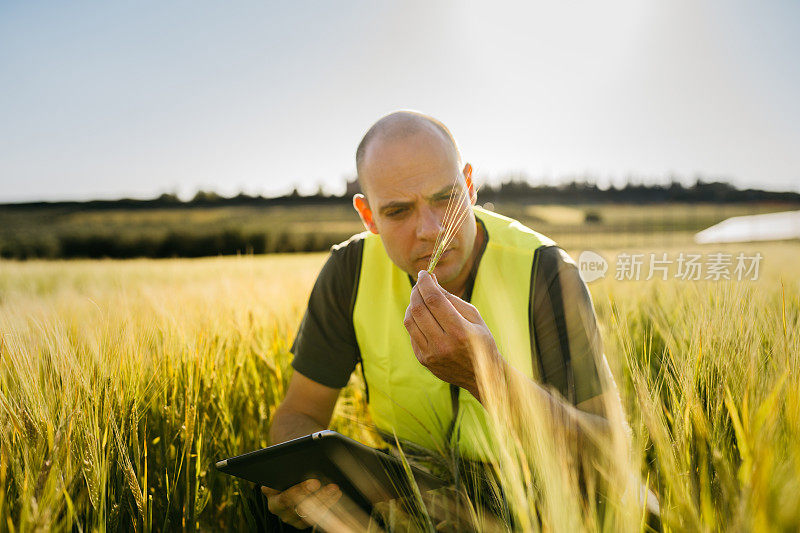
x=427 y=258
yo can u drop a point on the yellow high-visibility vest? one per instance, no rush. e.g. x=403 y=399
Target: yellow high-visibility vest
x=407 y=400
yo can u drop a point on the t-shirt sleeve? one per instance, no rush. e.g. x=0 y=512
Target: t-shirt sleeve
x=564 y=326
x=325 y=348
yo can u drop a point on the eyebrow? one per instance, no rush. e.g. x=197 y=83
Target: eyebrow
x=393 y=205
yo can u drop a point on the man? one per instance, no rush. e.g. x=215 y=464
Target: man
x=501 y=295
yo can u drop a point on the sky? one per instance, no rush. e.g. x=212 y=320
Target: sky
x=135 y=99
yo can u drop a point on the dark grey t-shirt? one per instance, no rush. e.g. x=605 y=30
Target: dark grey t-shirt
x=563 y=325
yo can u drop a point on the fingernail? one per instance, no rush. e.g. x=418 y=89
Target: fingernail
x=420 y=274
x=312 y=484
x=332 y=488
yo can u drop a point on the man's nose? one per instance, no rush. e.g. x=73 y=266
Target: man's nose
x=429 y=224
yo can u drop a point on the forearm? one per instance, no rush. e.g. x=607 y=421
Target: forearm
x=289 y=424
x=510 y=389
x=563 y=412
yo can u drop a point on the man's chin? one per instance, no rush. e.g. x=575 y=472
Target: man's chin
x=444 y=273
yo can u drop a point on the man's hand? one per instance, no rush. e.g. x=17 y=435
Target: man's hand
x=448 y=334
x=303 y=505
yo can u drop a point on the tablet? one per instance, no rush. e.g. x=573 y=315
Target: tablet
x=366 y=475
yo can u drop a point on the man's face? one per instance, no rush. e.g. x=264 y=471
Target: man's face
x=407 y=183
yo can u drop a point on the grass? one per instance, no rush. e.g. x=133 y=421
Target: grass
x=121 y=382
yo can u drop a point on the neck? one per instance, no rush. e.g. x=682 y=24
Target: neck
x=459 y=285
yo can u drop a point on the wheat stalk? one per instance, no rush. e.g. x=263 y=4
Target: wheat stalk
x=454 y=215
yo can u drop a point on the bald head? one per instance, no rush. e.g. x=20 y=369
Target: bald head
x=401 y=125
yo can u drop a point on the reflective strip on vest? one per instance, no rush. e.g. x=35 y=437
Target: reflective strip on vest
x=405 y=398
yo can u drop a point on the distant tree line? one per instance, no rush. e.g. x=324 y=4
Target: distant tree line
x=517 y=190
x=521 y=191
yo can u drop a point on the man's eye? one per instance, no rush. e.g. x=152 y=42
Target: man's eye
x=397 y=212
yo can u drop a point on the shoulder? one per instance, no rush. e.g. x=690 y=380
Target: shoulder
x=555 y=256
x=509 y=233
x=344 y=258
x=356 y=242
x=551 y=262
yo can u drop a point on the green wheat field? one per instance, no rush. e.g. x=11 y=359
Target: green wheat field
x=122 y=382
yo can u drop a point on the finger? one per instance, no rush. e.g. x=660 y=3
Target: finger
x=423 y=317
x=318 y=507
x=266 y=491
x=418 y=340
x=294 y=495
x=291 y=517
x=465 y=309
x=296 y=522
x=436 y=301
x=331 y=495
x=321 y=501
x=289 y=498
x=314 y=506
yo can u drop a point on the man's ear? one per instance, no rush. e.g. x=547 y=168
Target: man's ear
x=362 y=207
x=473 y=195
